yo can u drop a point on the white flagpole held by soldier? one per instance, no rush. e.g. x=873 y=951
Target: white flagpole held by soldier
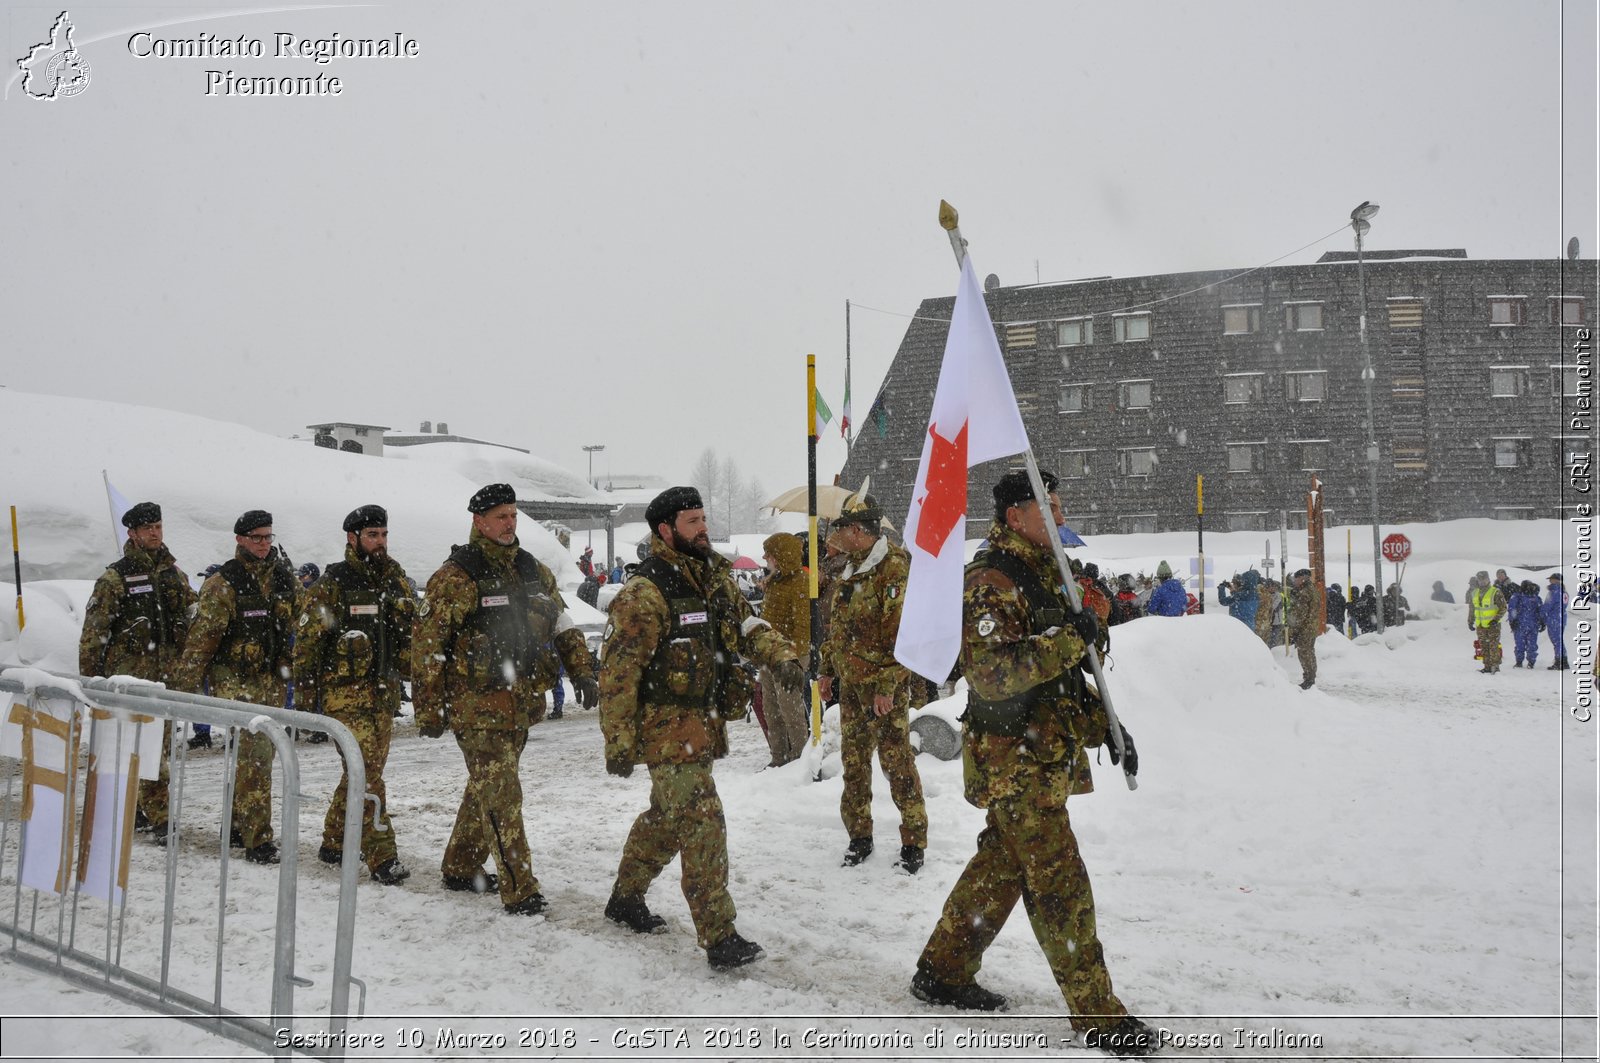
x=950 y=220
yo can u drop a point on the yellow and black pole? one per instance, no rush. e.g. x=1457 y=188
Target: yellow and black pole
x=813 y=664
x=16 y=565
x=1200 y=533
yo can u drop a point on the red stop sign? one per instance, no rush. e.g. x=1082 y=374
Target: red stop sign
x=1396 y=547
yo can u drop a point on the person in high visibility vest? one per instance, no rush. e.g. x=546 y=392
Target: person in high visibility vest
x=1486 y=607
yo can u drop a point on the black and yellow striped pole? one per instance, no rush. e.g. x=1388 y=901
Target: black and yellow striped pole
x=814 y=663
x=1200 y=533
x=16 y=564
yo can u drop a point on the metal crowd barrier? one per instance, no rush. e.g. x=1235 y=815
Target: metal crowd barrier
x=108 y=969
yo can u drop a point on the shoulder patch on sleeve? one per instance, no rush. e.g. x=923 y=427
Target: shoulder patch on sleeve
x=986 y=626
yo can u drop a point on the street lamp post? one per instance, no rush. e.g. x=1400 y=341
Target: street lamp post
x=590 y=449
x=1360 y=221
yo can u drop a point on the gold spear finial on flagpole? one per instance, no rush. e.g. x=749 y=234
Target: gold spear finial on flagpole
x=948 y=218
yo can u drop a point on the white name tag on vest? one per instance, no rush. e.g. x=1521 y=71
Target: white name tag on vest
x=494 y=599
x=143 y=588
x=363 y=610
x=254 y=612
x=692 y=618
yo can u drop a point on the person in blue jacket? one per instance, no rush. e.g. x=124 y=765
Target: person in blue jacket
x=1523 y=612
x=1241 y=597
x=1554 y=614
x=1169 y=598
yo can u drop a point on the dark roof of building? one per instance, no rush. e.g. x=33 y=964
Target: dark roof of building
x=1391 y=256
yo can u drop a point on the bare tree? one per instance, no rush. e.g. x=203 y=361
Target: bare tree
x=733 y=504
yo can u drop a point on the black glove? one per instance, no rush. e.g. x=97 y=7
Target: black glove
x=1130 y=756
x=588 y=691
x=431 y=730
x=1086 y=624
x=619 y=766
x=789 y=675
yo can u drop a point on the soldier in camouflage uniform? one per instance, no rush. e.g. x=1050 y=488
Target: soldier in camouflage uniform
x=352 y=649
x=481 y=664
x=240 y=640
x=874 y=689
x=135 y=624
x=1306 y=616
x=670 y=681
x=1029 y=715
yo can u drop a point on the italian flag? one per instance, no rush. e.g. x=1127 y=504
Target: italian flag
x=823 y=416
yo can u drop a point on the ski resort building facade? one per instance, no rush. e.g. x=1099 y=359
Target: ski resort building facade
x=1131 y=388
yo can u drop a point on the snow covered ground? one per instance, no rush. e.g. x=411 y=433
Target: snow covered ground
x=1397 y=863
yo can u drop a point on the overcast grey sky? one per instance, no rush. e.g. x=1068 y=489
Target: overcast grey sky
x=627 y=224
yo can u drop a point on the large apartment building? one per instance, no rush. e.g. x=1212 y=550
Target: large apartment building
x=1132 y=387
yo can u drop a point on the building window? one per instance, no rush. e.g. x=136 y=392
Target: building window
x=1137 y=523
x=1076 y=464
x=1022 y=335
x=1074 y=398
x=1507 y=310
x=1313 y=454
x=1134 y=394
x=1303 y=317
x=1247 y=457
x=1566 y=382
x=1136 y=461
x=1130 y=328
x=1083 y=523
x=1239 y=320
x=1240 y=520
x=1566 y=310
x=1243 y=387
x=1513 y=513
x=1511 y=453
x=1508 y=381
x=1306 y=387
x=1405 y=313
x=1075 y=332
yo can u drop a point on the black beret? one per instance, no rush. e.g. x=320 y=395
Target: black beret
x=1014 y=489
x=489 y=497
x=141 y=514
x=668 y=504
x=366 y=517
x=250 y=520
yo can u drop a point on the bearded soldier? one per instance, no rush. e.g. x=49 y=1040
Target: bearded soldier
x=669 y=681
x=1028 y=719
x=135 y=624
x=352 y=648
x=874 y=689
x=240 y=639
x=480 y=663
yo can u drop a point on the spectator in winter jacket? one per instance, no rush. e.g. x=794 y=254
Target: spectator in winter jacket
x=787 y=607
x=1269 y=614
x=616 y=571
x=1394 y=606
x=1523 y=612
x=1554 y=614
x=1168 y=599
x=1337 y=607
x=1128 y=599
x=589 y=589
x=1440 y=594
x=1242 y=596
x=1364 y=610
x=586 y=561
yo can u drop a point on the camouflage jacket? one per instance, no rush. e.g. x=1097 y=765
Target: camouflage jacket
x=1003 y=657
x=352 y=638
x=243 y=650
x=458 y=673
x=787 y=602
x=137 y=618
x=864 y=618
x=1305 y=615
x=638 y=728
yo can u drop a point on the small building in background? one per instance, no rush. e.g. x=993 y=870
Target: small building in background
x=350 y=437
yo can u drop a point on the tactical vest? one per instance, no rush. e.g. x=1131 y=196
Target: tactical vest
x=503 y=637
x=367 y=638
x=1012 y=716
x=694 y=664
x=260 y=621
x=150 y=612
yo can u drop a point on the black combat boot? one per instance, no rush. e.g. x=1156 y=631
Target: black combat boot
x=390 y=873
x=265 y=853
x=632 y=913
x=532 y=904
x=1126 y=1037
x=1307 y=684
x=477 y=882
x=142 y=824
x=732 y=951
x=200 y=741
x=860 y=849
x=969 y=997
x=910 y=859
x=329 y=855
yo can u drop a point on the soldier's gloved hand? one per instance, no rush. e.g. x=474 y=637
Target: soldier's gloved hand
x=588 y=691
x=432 y=729
x=1086 y=624
x=621 y=767
x=1130 y=756
x=789 y=675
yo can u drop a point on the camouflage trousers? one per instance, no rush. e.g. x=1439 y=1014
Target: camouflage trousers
x=684 y=820
x=153 y=792
x=489 y=822
x=788 y=725
x=1306 y=647
x=373 y=730
x=1028 y=852
x=860 y=732
x=1489 y=645
x=252 y=789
